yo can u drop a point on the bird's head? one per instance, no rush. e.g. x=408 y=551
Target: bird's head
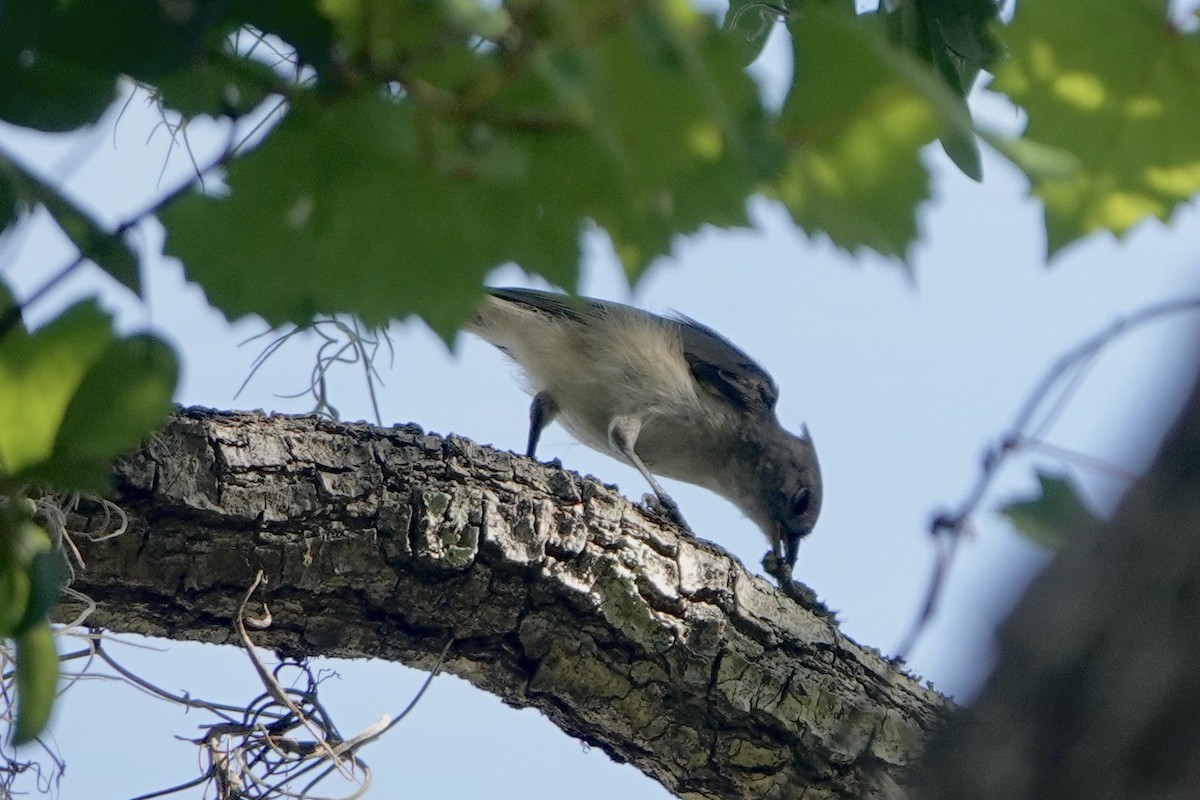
x=785 y=498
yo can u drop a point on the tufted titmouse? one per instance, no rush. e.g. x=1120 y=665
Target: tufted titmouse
x=667 y=395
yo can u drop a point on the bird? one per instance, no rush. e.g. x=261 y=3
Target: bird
x=667 y=395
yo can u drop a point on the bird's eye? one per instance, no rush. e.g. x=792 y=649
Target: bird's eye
x=803 y=501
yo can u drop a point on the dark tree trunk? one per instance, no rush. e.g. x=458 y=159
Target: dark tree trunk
x=1097 y=691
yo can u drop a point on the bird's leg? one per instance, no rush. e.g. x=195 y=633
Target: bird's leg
x=622 y=432
x=542 y=412
x=774 y=563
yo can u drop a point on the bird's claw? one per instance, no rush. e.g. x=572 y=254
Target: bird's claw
x=776 y=567
x=781 y=571
x=667 y=508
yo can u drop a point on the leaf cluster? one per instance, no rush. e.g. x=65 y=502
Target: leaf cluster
x=73 y=396
x=424 y=142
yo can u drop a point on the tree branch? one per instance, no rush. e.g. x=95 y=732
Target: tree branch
x=558 y=594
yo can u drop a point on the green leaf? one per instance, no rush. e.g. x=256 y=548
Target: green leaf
x=965 y=29
x=47 y=577
x=1054 y=518
x=37 y=681
x=109 y=251
x=138 y=38
x=31 y=578
x=125 y=395
x=38 y=87
x=398 y=33
x=662 y=128
x=60 y=63
x=388 y=206
x=853 y=170
x=343 y=210
x=10 y=314
x=1113 y=83
x=43 y=567
x=72 y=398
x=963 y=149
x=959 y=143
x=221 y=85
x=954 y=37
x=15 y=590
x=39 y=373
x=749 y=23
x=8 y=203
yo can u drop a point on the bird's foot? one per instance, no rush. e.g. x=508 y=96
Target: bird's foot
x=776 y=567
x=663 y=506
x=781 y=571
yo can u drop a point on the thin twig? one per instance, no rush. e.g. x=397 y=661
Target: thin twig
x=269 y=681
x=1017 y=432
x=348 y=344
x=178 y=787
x=12 y=315
x=433 y=673
x=949 y=524
x=183 y=700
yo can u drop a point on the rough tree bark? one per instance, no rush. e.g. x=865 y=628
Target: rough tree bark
x=556 y=592
x=1097 y=690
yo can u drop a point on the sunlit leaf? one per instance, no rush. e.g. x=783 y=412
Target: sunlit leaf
x=347 y=208
x=391 y=206
x=673 y=134
x=1114 y=83
x=73 y=397
x=954 y=37
x=853 y=170
x=37 y=681
x=39 y=373
x=125 y=395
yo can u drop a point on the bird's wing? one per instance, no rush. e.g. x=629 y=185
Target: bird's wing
x=716 y=364
x=553 y=303
x=725 y=370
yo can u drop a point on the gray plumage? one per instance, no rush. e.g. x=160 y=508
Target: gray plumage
x=668 y=395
